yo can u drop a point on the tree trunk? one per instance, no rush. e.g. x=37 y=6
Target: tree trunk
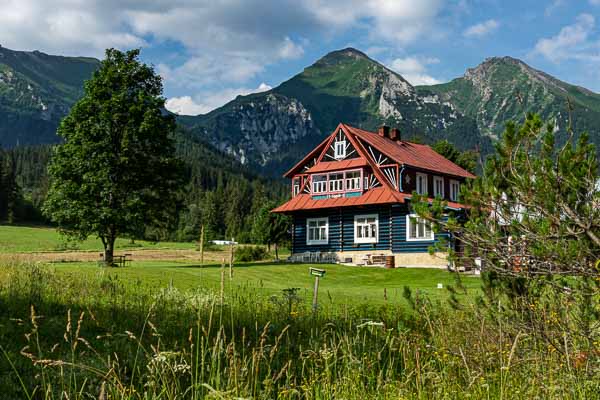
x=276 y=252
x=109 y=250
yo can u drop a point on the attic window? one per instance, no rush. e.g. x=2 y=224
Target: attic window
x=340 y=150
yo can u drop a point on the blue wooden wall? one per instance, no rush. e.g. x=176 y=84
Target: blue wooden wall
x=392 y=230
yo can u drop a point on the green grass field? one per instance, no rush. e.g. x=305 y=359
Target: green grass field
x=163 y=329
x=19 y=239
x=341 y=284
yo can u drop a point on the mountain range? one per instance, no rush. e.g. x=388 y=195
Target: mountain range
x=36 y=92
x=269 y=131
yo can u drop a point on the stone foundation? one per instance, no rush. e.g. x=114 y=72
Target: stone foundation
x=401 y=260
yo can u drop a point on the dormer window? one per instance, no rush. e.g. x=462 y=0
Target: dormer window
x=421 y=186
x=339 y=150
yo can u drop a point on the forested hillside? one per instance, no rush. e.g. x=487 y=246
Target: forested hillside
x=219 y=192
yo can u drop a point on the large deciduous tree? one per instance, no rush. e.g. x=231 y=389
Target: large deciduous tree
x=115 y=173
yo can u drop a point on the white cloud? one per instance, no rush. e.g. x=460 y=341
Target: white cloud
x=414 y=70
x=595 y=2
x=572 y=42
x=65 y=27
x=218 y=43
x=482 y=29
x=206 y=102
x=401 y=21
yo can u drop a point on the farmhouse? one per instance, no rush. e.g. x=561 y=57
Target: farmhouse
x=351 y=199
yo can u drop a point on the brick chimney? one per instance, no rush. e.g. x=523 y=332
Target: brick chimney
x=384 y=131
x=395 y=134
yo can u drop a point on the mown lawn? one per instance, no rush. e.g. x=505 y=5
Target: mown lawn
x=19 y=239
x=341 y=284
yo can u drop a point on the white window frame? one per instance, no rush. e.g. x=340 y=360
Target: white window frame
x=296 y=187
x=367 y=239
x=339 y=149
x=414 y=218
x=437 y=179
x=424 y=176
x=336 y=182
x=319 y=184
x=357 y=180
x=317 y=241
x=454 y=195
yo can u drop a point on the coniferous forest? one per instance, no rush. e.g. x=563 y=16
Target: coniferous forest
x=219 y=193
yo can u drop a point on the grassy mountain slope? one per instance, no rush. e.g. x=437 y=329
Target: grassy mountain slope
x=36 y=91
x=504 y=88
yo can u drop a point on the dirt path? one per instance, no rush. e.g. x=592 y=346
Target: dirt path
x=136 y=255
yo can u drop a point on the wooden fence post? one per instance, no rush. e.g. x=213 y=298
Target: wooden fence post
x=231 y=260
x=202 y=245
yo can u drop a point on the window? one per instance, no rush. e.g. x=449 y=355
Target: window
x=366 y=228
x=454 y=190
x=421 y=183
x=353 y=180
x=339 y=149
x=418 y=229
x=296 y=187
x=319 y=183
x=438 y=186
x=336 y=182
x=317 y=230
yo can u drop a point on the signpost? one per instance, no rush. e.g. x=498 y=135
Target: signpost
x=317 y=273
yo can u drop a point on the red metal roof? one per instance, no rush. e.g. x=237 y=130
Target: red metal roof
x=380 y=195
x=411 y=154
x=325 y=166
x=374 y=196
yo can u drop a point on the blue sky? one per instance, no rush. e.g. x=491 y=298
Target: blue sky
x=210 y=51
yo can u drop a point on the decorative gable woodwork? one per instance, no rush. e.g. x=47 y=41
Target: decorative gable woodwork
x=340 y=148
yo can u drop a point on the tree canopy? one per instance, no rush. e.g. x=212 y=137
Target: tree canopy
x=116 y=172
x=465 y=159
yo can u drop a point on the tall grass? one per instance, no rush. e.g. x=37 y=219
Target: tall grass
x=62 y=336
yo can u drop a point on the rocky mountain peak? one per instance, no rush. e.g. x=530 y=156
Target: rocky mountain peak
x=347 y=54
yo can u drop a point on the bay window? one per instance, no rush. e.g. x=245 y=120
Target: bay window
x=317 y=231
x=366 y=228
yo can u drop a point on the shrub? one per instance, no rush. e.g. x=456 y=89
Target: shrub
x=250 y=253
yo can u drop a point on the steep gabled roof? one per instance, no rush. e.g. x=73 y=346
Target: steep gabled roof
x=412 y=154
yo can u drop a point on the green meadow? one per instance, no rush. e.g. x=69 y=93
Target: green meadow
x=23 y=239
x=171 y=328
